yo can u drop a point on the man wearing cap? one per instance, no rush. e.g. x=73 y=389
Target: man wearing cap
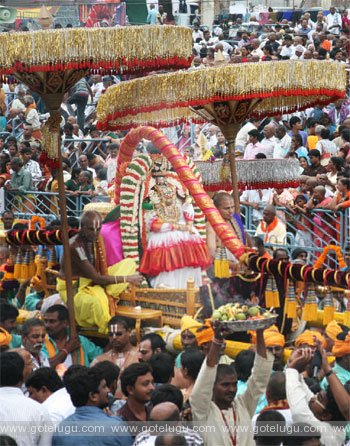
x=275 y=342
x=307 y=339
x=341 y=351
x=204 y=337
x=189 y=327
x=298 y=53
x=330 y=334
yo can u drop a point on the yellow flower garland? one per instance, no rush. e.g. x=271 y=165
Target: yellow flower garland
x=322 y=258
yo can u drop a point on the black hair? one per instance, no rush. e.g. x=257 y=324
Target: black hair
x=7 y=211
x=254 y=133
x=172 y=440
x=298 y=139
x=71 y=372
x=192 y=360
x=260 y=156
x=26 y=150
x=62 y=311
x=8 y=311
x=223 y=370
x=73 y=222
x=119 y=320
x=279 y=250
x=315 y=152
x=162 y=365
x=345 y=134
x=131 y=373
x=167 y=393
x=294 y=120
x=68 y=127
x=271 y=418
x=332 y=406
x=244 y=364
x=81 y=384
x=338 y=162
x=114 y=145
x=258 y=242
x=5 y=440
x=11 y=369
x=325 y=133
x=54 y=224
x=45 y=376
x=300 y=433
x=156 y=341
x=345 y=182
x=109 y=371
x=276 y=387
x=313 y=384
x=31 y=323
x=75 y=172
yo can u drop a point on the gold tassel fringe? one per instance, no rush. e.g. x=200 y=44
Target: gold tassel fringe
x=328 y=314
x=222 y=268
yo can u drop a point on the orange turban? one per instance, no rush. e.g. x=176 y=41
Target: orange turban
x=307 y=337
x=342 y=346
x=205 y=335
x=332 y=330
x=5 y=338
x=188 y=323
x=273 y=337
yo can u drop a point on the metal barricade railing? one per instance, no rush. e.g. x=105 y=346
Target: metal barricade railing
x=72 y=148
x=45 y=204
x=329 y=228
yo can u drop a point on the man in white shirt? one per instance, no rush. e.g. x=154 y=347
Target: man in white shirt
x=287 y=50
x=256 y=51
x=334 y=21
x=256 y=199
x=242 y=137
x=269 y=142
x=26 y=420
x=283 y=143
x=306 y=407
x=46 y=387
x=214 y=401
x=196 y=33
x=31 y=166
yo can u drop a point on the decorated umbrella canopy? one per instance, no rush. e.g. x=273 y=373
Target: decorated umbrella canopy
x=225 y=96
x=51 y=62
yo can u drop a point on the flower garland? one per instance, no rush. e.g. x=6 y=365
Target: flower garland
x=51 y=141
x=36 y=219
x=323 y=256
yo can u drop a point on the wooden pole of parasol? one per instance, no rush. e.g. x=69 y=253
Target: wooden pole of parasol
x=53 y=103
x=230 y=132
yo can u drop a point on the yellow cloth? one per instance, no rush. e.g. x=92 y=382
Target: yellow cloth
x=312 y=141
x=332 y=330
x=342 y=347
x=91 y=301
x=205 y=335
x=307 y=337
x=5 y=338
x=188 y=323
x=273 y=337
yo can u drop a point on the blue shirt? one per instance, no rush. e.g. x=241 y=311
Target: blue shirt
x=342 y=374
x=302 y=151
x=242 y=387
x=102 y=429
x=152 y=17
x=303 y=135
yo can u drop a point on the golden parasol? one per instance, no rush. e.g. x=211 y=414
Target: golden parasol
x=225 y=96
x=51 y=62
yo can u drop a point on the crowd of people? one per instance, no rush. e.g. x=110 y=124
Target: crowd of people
x=253 y=41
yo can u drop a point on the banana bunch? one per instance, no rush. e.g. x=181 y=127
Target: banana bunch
x=236 y=312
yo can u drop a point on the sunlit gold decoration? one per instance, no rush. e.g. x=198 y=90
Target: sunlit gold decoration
x=126 y=49
x=225 y=94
